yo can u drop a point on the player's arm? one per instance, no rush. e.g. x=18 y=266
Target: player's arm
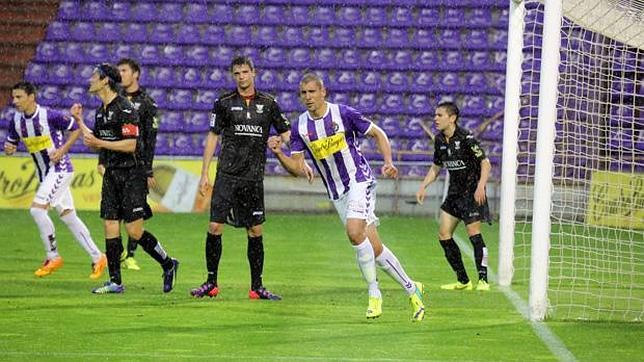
x=479 y=194
x=58 y=153
x=382 y=142
x=11 y=142
x=294 y=164
x=208 y=154
x=150 y=136
x=431 y=176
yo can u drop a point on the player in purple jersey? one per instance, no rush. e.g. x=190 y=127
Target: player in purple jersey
x=457 y=150
x=42 y=132
x=328 y=133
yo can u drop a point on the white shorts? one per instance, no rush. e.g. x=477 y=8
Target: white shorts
x=54 y=190
x=358 y=203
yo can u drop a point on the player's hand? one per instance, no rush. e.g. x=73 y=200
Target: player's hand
x=308 y=172
x=90 y=141
x=420 y=195
x=9 y=148
x=275 y=144
x=77 y=113
x=100 y=169
x=56 y=155
x=152 y=182
x=203 y=185
x=479 y=195
x=389 y=170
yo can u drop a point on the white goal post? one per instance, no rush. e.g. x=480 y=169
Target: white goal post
x=572 y=192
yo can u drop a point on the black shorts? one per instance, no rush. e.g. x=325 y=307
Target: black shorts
x=237 y=202
x=124 y=195
x=464 y=207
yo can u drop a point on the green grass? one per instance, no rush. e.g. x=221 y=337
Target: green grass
x=308 y=261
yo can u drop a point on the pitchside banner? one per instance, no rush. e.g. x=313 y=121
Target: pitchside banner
x=177 y=188
x=616 y=199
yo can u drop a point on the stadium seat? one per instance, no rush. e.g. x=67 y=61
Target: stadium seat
x=83 y=73
x=221 y=56
x=324 y=15
x=172 y=54
x=160 y=97
x=189 y=77
x=246 y=14
x=274 y=57
x=199 y=121
x=134 y=33
x=273 y=15
x=371 y=37
x=197 y=13
x=375 y=59
x=291 y=36
x=82 y=31
x=392 y=103
x=429 y=17
x=450 y=82
x=479 y=16
x=162 y=76
x=402 y=59
x=470 y=124
x=300 y=57
x=349 y=16
x=450 y=38
x=180 y=99
x=389 y=123
x=266 y=35
x=288 y=101
x=319 y=36
x=213 y=35
x=396 y=82
x=58 y=30
x=96 y=10
x=170 y=12
x=188 y=34
x=401 y=16
x=69 y=10
x=397 y=38
x=291 y=79
x=351 y=59
x=427 y=60
x=452 y=60
x=110 y=32
x=268 y=79
x=61 y=74
x=370 y=81
x=453 y=17
x=205 y=99
x=49 y=95
x=215 y=78
x=344 y=80
x=418 y=105
x=162 y=33
x=473 y=104
x=367 y=103
x=493 y=131
x=196 y=56
x=476 y=82
x=120 y=11
x=325 y=58
x=499 y=39
x=238 y=35
x=344 y=37
x=340 y=97
x=299 y=15
x=422 y=82
x=96 y=53
x=476 y=38
x=171 y=121
x=424 y=38
x=250 y=51
x=36 y=73
x=375 y=16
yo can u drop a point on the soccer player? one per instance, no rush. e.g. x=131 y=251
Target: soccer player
x=124 y=190
x=130 y=72
x=42 y=132
x=242 y=119
x=328 y=133
x=457 y=150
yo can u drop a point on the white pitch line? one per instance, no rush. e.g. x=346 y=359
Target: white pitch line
x=554 y=344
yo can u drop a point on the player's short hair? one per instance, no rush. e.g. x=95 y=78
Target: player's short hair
x=130 y=63
x=451 y=108
x=312 y=77
x=28 y=87
x=112 y=74
x=242 y=60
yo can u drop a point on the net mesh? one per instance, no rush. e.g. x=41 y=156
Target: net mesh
x=597 y=244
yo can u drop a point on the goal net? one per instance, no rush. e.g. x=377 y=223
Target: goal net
x=594 y=261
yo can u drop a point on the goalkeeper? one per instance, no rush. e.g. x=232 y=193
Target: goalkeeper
x=457 y=150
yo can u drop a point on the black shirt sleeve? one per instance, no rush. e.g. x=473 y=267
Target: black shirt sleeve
x=279 y=120
x=149 y=115
x=218 y=118
x=474 y=148
x=437 y=152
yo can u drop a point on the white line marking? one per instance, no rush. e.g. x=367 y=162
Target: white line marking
x=554 y=344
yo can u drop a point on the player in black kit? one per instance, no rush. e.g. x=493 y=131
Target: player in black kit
x=457 y=150
x=242 y=119
x=130 y=72
x=124 y=190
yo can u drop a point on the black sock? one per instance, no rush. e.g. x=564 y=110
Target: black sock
x=131 y=247
x=453 y=255
x=255 y=255
x=113 y=250
x=151 y=246
x=213 y=254
x=480 y=255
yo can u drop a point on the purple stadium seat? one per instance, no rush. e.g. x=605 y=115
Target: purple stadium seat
x=250 y=51
x=268 y=78
x=172 y=121
x=474 y=104
x=162 y=33
x=82 y=31
x=344 y=36
x=83 y=73
x=135 y=33
x=402 y=59
x=402 y=16
x=494 y=131
x=188 y=34
x=238 y=35
x=120 y=11
x=349 y=16
x=476 y=38
x=478 y=60
x=266 y=35
x=476 y=82
x=450 y=38
x=215 y=78
x=497 y=103
x=196 y=55
x=213 y=34
x=370 y=81
x=172 y=54
x=197 y=13
x=221 y=55
x=479 y=16
x=189 y=76
x=291 y=79
x=396 y=82
x=375 y=59
x=160 y=96
x=453 y=59
x=163 y=77
x=274 y=14
x=69 y=10
x=274 y=57
x=423 y=81
x=292 y=36
x=392 y=103
x=453 y=16
x=246 y=14
x=61 y=74
x=110 y=32
x=183 y=144
x=298 y=15
x=376 y=16
x=340 y=97
x=499 y=38
x=371 y=37
x=49 y=95
x=427 y=59
x=58 y=31
x=149 y=54
x=450 y=82
x=351 y=58
x=170 y=12
x=319 y=36
x=425 y=38
x=299 y=57
x=391 y=125
x=324 y=15
x=199 y=121
x=419 y=104
x=96 y=10
x=343 y=81
x=180 y=99
x=428 y=17
x=398 y=37
x=288 y=101
x=367 y=103
x=325 y=57
x=74 y=94
x=95 y=53
x=36 y=73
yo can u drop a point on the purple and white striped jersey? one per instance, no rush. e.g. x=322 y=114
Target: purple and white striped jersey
x=332 y=143
x=42 y=133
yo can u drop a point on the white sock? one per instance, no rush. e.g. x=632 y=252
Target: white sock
x=390 y=264
x=81 y=234
x=47 y=231
x=367 y=265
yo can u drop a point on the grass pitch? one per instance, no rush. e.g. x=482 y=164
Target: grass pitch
x=309 y=262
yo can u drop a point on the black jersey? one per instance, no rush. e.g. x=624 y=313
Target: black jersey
x=148 y=126
x=244 y=132
x=118 y=121
x=462 y=157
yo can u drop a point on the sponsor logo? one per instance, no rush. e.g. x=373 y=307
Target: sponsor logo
x=258 y=213
x=137 y=209
x=109 y=115
x=236 y=108
x=136 y=105
x=130 y=129
x=248 y=129
x=336 y=127
x=260 y=108
x=213 y=119
x=457 y=145
x=327 y=146
x=455 y=165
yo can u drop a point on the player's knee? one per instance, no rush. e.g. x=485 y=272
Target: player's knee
x=254 y=231
x=444 y=235
x=356 y=237
x=215 y=228
x=477 y=241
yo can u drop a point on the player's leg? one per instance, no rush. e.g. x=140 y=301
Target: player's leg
x=448 y=223
x=127 y=258
x=39 y=212
x=480 y=254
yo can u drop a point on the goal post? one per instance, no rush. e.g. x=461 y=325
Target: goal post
x=572 y=208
